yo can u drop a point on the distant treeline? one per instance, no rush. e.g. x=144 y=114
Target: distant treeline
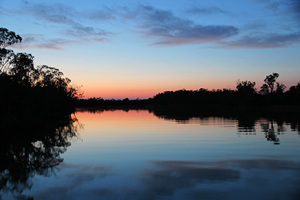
x=245 y=96
x=114 y=103
x=271 y=94
x=26 y=88
x=226 y=97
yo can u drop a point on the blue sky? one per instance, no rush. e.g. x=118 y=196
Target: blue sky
x=118 y=49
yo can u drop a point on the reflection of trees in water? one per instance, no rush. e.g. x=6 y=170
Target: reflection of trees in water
x=271 y=133
x=32 y=147
x=272 y=124
x=246 y=125
x=270 y=127
x=295 y=126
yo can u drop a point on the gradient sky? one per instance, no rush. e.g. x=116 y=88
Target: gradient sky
x=135 y=49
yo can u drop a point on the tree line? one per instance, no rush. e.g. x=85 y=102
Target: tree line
x=271 y=93
x=25 y=87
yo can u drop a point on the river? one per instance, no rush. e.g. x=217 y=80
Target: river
x=137 y=154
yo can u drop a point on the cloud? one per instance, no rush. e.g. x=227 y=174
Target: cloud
x=38 y=41
x=208 y=11
x=265 y=41
x=171 y=30
x=87 y=33
x=62 y=14
x=294 y=7
x=58 y=15
x=83 y=31
x=256 y=25
x=164 y=28
x=104 y=14
x=280 y=27
x=288 y=9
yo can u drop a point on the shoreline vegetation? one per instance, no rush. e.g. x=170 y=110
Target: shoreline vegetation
x=31 y=90
x=43 y=90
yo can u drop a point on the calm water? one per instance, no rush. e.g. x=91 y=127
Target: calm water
x=137 y=155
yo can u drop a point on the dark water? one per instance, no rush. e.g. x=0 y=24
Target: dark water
x=141 y=155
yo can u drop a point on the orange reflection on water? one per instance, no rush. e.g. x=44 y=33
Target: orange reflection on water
x=142 y=118
x=132 y=120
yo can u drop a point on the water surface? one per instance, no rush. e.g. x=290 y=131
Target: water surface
x=138 y=155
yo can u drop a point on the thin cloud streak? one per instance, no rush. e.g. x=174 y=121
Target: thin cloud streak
x=58 y=13
x=104 y=14
x=265 y=41
x=208 y=11
x=79 y=31
x=38 y=41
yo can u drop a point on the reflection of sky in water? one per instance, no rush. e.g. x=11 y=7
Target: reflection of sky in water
x=136 y=155
x=231 y=179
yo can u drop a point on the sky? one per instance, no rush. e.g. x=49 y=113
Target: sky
x=136 y=49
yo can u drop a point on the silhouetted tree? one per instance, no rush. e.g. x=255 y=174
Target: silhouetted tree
x=24 y=86
x=295 y=89
x=7 y=38
x=246 y=87
x=293 y=95
x=264 y=89
x=6 y=56
x=22 y=68
x=270 y=81
x=280 y=87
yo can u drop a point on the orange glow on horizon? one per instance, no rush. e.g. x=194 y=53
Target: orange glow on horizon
x=134 y=92
x=149 y=91
x=119 y=94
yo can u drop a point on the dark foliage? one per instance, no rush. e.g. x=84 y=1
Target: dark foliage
x=100 y=103
x=201 y=97
x=8 y=37
x=244 y=97
x=246 y=87
x=26 y=88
